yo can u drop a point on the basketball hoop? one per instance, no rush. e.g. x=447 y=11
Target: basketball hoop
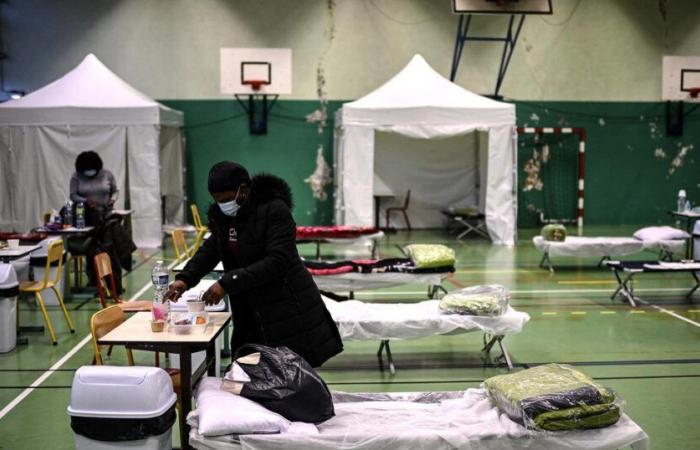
x=694 y=92
x=255 y=85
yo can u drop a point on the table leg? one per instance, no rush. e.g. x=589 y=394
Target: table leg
x=376 y=212
x=211 y=359
x=186 y=394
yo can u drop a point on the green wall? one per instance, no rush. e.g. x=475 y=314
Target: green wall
x=627 y=180
x=217 y=130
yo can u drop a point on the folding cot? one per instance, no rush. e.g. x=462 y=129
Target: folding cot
x=400 y=321
x=424 y=420
x=625 y=271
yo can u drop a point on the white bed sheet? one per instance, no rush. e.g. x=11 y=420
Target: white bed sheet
x=356 y=240
x=365 y=281
x=430 y=421
x=590 y=246
x=379 y=321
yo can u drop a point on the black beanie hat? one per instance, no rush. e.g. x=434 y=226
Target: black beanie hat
x=227 y=176
x=88 y=160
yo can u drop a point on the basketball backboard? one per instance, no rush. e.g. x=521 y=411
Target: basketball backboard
x=681 y=76
x=256 y=71
x=502 y=6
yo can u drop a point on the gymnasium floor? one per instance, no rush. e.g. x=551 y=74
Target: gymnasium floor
x=650 y=357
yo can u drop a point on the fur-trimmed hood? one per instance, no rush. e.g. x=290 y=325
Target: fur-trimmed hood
x=264 y=189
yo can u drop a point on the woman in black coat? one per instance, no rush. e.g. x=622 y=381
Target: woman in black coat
x=274 y=299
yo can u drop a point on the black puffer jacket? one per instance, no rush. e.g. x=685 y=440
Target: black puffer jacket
x=273 y=297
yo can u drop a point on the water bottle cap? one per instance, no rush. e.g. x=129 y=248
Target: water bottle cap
x=681 y=193
x=160 y=261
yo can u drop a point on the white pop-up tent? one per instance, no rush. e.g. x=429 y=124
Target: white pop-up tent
x=91 y=108
x=419 y=131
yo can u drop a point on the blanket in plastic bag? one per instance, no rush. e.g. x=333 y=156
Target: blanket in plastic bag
x=554 y=232
x=490 y=300
x=425 y=256
x=554 y=397
x=281 y=381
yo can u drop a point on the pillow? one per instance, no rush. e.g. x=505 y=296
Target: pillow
x=554 y=232
x=222 y=413
x=425 y=256
x=665 y=233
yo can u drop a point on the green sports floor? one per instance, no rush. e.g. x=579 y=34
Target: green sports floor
x=649 y=355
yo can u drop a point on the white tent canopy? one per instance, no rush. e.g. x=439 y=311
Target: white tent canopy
x=420 y=131
x=90 y=108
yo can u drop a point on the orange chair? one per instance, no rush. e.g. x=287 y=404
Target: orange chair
x=54 y=256
x=106 y=285
x=401 y=209
x=182 y=251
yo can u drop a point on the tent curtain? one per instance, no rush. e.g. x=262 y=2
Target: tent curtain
x=172 y=177
x=144 y=184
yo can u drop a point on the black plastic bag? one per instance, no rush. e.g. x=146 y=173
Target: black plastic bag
x=285 y=383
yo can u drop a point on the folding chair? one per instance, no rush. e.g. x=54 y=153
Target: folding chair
x=400 y=209
x=182 y=251
x=199 y=227
x=54 y=256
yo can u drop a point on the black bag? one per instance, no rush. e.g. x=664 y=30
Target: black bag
x=285 y=383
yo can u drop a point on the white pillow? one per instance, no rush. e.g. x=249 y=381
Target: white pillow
x=222 y=413
x=665 y=233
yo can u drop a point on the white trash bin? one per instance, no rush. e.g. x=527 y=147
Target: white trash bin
x=9 y=289
x=122 y=407
x=37 y=262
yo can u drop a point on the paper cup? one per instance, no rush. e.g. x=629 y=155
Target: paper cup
x=13 y=243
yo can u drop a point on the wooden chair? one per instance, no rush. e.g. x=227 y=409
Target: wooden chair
x=401 y=209
x=199 y=227
x=106 y=320
x=106 y=285
x=182 y=251
x=54 y=256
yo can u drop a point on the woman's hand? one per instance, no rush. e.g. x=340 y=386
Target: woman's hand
x=175 y=290
x=214 y=294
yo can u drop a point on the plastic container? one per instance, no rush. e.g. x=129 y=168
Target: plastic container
x=9 y=289
x=122 y=407
x=37 y=261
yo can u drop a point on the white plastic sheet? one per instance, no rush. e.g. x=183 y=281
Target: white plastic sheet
x=378 y=321
x=590 y=246
x=430 y=421
x=366 y=281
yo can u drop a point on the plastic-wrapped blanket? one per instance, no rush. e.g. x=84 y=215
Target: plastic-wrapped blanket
x=381 y=321
x=425 y=256
x=589 y=246
x=554 y=232
x=430 y=421
x=554 y=397
x=490 y=300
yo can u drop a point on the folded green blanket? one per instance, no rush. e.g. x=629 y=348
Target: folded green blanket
x=426 y=256
x=491 y=300
x=553 y=397
x=554 y=232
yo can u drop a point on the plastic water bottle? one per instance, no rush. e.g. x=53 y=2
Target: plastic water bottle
x=68 y=214
x=160 y=280
x=682 y=200
x=80 y=215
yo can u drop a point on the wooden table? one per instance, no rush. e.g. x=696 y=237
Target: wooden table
x=135 y=333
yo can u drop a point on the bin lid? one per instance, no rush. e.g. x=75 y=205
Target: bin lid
x=121 y=392
x=8 y=277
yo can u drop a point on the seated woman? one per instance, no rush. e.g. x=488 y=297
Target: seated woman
x=94 y=186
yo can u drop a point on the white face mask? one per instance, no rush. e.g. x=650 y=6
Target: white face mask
x=90 y=173
x=230 y=208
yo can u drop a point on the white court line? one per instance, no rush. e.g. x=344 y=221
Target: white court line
x=670 y=313
x=17 y=400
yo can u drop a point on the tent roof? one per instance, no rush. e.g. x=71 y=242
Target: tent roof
x=419 y=94
x=90 y=94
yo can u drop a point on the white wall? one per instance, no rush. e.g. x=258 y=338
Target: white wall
x=605 y=50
